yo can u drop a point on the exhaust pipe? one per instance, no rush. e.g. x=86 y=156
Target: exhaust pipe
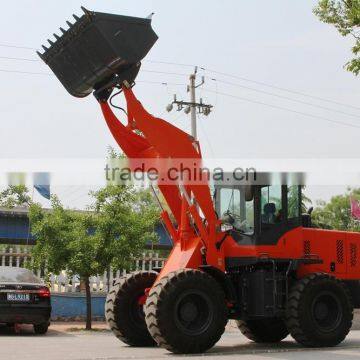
x=98 y=51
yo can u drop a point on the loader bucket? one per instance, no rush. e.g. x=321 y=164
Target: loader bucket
x=98 y=48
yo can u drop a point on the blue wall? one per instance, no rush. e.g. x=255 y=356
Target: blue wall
x=163 y=235
x=74 y=305
x=14 y=229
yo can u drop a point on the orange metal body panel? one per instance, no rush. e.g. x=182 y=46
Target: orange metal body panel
x=183 y=257
x=161 y=140
x=332 y=247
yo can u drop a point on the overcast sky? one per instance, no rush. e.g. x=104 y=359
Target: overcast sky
x=278 y=42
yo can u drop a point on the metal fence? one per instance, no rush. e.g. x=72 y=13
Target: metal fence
x=65 y=283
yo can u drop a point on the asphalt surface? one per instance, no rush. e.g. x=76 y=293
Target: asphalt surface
x=102 y=345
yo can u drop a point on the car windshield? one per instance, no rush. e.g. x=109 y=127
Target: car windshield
x=17 y=275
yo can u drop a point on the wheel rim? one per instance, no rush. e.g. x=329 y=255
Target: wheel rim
x=137 y=311
x=193 y=312
x=326 y=311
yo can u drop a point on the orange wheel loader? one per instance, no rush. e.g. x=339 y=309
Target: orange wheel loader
x=246 y=253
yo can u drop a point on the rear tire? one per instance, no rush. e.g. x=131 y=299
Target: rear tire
x=270 y=330
x=186 y=312
x=41 y=329
x=124 y=311
x=319 y=311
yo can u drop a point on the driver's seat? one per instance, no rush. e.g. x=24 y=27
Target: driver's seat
x=268 y=216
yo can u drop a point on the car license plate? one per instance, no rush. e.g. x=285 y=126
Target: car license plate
x=18 y=297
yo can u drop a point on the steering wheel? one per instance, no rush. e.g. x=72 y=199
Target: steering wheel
x=230 y=218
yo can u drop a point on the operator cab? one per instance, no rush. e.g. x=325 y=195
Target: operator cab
x=258 y=214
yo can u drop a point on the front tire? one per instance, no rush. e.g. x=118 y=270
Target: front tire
x=319 y=311
x=41 y=329
x=124 y=308
x=270 y=330
x=186 y=312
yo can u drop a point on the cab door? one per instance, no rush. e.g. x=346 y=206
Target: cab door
x=278 y=212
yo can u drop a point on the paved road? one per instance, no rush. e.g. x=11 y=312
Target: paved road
x=59 y=345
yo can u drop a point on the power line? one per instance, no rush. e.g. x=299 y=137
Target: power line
x=169 y=63
x=207 y=139
x=17 y=58
x=208 y=90
x=50 y=74
x=284 y=97
x=149 y=61
x=214 y=79
x=283 y=108
x=164 y=72
x=26 y=72
x=160 y=83
x=146 y=61
x=43 y=73
x=17 y=47
x=279 y=88
x=205 y=69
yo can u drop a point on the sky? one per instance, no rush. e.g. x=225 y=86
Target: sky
x=279 y=43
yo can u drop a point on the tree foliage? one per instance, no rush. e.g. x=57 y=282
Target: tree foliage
x=15 y=195
x=336 y=214
x=86 y=243
x=293 y=201
x=345 y=16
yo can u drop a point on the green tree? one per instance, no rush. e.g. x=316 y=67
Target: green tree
x=345 y=16
x=293 y=200
x=15 y=195
x=87 y=243
x=336 y=214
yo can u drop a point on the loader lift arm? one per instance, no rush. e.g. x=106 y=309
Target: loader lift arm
x=160 y=140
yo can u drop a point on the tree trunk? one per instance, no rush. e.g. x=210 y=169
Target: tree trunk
x=88 y=304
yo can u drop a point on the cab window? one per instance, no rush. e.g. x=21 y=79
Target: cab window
x=293 y=202
x=271 y=205
x=234 y=205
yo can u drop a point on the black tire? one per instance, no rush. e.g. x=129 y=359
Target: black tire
x=123 y=312
x=41 y=329
x=270 y=330
x=319 y=311
x=185 y=312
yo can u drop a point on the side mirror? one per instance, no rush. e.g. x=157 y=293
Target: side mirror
x=249 y=192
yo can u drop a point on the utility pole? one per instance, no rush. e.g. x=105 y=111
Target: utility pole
x=192 y=106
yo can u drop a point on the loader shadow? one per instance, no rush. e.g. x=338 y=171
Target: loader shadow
x=283 y=350
x=253 y=348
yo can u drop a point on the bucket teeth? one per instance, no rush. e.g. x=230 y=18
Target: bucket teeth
x=40 y=55
x=69 y=23
x=62 y=30
x=86 y=11
x=76 y=17
x=57 y=37
x=50 y=42
x=44 y=47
